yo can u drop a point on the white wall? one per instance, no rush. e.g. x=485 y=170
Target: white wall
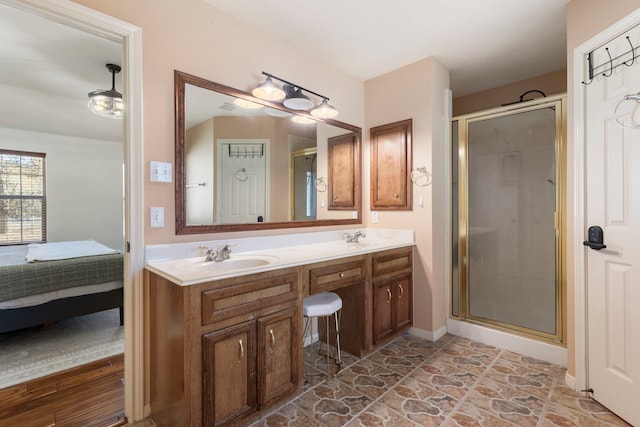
x=84 y=185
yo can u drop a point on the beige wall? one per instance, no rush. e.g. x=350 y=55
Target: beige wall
x=194 y=37
x=551 y=84
x=416 y=92
x=585 y=19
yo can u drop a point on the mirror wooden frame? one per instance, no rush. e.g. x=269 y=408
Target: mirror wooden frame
x=181 y=79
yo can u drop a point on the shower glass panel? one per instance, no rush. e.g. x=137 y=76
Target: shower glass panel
x=511 y=220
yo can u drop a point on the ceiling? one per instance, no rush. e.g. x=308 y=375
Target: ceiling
x=47 y=69
x=46 y=73
x=484 y=43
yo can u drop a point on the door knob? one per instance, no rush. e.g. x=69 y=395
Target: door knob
x=595 y=238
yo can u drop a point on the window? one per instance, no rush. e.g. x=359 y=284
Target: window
x=22 y=198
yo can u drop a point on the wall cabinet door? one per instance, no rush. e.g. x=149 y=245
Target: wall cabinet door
x=344 y=172
x=391 y=164
x=229 y=374
x=278 y=349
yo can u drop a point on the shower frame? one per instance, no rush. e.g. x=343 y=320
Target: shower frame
x=460 y=311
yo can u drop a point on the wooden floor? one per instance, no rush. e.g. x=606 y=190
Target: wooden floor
x=90 y=395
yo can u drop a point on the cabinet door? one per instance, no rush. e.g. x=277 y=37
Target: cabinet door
x=278 y=347
x=344 y=172
x=404 y=303
x=391 y=166
x=382 y=311
x=229 y=374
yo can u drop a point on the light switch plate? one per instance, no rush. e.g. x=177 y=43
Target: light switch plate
x=160 y=171
x=374 y=217
x=157 y=217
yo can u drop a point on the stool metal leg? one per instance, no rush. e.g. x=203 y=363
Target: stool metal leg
x=337 y=318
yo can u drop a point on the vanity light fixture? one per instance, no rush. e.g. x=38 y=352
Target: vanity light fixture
x=324 y=110
x=268 y=90
x=294 y=97
x=107 y=103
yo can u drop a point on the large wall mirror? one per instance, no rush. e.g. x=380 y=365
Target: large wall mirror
x=247 y=164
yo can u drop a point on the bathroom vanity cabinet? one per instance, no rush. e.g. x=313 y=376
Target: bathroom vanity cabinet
x=224 y=350
x=392 y=294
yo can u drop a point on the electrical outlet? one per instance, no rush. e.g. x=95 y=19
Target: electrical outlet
x=354 y=214
x=374 y=217
x=157 y=217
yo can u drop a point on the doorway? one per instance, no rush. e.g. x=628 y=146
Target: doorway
x=82 y=18
x=507 y=269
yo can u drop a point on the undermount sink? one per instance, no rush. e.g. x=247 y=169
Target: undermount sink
x=236 y=262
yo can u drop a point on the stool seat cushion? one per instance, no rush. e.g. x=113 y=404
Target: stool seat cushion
x=323 y=304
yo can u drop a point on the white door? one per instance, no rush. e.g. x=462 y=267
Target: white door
x=242 y=189
x=613 y=203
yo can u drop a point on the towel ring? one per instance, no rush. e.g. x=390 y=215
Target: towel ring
x=320 y=184
x=631 y=97
x=241 y=174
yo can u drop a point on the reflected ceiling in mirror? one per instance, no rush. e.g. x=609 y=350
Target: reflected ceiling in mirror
x=236 y=167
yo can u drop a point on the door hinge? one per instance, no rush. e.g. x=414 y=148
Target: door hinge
x=128 y=247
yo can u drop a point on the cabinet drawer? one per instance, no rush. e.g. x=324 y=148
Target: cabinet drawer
x=248 y=297
x=392 y=262
x=336 y=276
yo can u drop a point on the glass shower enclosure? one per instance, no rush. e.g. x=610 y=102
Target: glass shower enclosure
x=507 y=210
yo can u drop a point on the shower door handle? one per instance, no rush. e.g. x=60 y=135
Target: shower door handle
x=596 y=238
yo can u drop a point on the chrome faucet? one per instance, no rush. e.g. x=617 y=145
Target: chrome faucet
x=220 y=254
x=354 y=239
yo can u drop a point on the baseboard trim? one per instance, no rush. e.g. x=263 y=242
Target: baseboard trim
x=570 y=381
x=428 y=335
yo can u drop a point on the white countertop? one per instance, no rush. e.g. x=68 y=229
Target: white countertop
x=183 y=263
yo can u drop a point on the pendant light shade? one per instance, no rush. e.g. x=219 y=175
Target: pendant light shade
x=296 y=100
x=107 y=103
x=324 y=110
x=268 y=91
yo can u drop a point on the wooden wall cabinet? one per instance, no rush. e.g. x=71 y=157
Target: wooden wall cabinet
x=391 y=162
x=343 y=158
x=392 y=294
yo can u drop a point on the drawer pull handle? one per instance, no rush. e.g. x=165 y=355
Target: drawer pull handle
x=341 y=275
x=241 y=351
x=273 y=339
x=401 y=290
x=389 y=295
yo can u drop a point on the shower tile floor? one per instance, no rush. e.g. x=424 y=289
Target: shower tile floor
x=452 y=382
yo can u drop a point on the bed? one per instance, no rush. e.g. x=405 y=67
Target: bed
x=53 y=281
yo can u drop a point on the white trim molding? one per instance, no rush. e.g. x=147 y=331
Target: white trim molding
x=428 y=335
x=93 y=22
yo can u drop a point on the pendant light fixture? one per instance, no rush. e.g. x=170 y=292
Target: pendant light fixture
x=294 y=97
x=107 y=103
x=324 y=110
x=268 y=90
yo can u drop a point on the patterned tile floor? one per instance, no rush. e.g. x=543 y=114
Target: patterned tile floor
x=452 y=382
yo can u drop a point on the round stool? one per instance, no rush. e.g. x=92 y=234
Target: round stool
x=325 y=304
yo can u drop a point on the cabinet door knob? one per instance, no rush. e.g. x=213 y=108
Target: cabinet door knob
x=241 y=351
x=395 y=195
x=401 y=290
x=389 y=295
x=341 y=275
x=273 y=339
